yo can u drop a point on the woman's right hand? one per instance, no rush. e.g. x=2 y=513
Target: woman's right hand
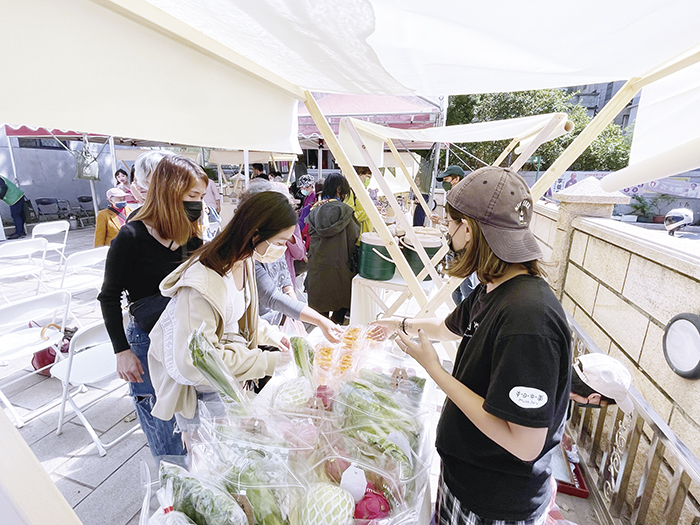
x=129 y=367
x=383 y=328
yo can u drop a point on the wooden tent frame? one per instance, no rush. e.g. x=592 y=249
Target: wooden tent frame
x=427 y=305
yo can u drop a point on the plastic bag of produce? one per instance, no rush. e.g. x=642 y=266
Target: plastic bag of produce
x=207 y=360
x=167 y=515
x=201 y=500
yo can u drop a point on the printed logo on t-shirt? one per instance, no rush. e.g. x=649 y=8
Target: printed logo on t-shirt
x=527 y=397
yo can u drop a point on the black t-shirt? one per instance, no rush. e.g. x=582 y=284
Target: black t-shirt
x=136 y=263
x=515 y=353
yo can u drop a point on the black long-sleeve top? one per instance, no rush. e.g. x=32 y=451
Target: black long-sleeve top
x=136 y=263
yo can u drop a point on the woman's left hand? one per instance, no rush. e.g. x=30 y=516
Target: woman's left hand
x=422 y=351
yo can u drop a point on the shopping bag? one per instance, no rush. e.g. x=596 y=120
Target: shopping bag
x=294 y=327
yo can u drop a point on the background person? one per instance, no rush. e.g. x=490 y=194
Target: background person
x=162 y=234
x=110 y=220
x=216 y=288
x=13 y=196
x=333 y=232
x=365 y=175
x=258 y=171
x=507 y=396
x=212 y=197
x=144 y=166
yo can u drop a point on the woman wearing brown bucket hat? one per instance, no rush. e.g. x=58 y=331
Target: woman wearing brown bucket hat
x=508 y=392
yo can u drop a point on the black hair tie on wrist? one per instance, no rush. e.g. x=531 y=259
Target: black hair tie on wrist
x=403 y=326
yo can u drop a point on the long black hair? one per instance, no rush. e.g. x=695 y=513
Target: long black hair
x=257 y=218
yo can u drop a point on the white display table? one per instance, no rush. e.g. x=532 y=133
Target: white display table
x=367 y=301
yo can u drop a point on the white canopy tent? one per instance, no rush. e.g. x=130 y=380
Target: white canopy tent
x=227 y=73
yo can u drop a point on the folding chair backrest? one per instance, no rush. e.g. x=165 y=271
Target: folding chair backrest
x=83 y=259
x=85 y=202
x=51 y=228
x=91 y=335
x=24 y=248
x=52 y=306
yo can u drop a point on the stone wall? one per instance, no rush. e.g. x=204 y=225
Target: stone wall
x=623 y=284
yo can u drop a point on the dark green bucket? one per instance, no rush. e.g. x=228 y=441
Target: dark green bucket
x=372 y=265
x=432 y=246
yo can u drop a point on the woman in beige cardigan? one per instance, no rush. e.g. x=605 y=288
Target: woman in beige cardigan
x=217 y=287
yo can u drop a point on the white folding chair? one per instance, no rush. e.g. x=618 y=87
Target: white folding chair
x=45 y=229
x=83 y=271
x=19 y=339
x=91 y=360
x=17 y=260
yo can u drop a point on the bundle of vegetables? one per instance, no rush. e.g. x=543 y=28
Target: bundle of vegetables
x=253 y=473
x=207 y=360
x=304 y=358
x=202 y=501
x=412 y=388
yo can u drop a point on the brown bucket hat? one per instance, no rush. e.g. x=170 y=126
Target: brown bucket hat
x=500 y=201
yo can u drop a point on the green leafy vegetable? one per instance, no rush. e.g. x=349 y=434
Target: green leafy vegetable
x=207 y=360
x=304 y=358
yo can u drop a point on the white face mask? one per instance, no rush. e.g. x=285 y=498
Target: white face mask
x=272 y=253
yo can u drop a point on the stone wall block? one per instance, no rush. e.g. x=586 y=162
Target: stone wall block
x=579 y=244
x=582 y=288
x=621 y=321
x=660 y=291
x=607 y=262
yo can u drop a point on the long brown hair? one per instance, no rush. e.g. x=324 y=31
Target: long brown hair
x=173 y=177
x=478 y=256
x=257 y=218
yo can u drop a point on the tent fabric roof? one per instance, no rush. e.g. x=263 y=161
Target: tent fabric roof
x=446 y=46
x=229 y=73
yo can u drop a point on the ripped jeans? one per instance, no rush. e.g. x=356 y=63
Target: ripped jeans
x=161 y=435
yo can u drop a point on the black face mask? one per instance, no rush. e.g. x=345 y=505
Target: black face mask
x=193 y=209
x=450 y=245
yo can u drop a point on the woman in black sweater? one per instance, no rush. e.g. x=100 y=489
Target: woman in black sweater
x=159 y=237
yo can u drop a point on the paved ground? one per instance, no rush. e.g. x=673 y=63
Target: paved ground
x=107 y=490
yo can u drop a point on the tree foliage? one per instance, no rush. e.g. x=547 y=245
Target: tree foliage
x=609 y=151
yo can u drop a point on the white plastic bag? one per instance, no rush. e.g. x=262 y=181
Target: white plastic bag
x=165 y=515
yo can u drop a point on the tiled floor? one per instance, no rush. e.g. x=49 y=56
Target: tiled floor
x=108 y=490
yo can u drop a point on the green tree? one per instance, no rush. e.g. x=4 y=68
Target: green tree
x=609 y=151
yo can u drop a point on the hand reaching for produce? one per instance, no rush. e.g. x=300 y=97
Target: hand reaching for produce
x=129 y=367
x=385 y=327
x=331 y=331
x=422 y=350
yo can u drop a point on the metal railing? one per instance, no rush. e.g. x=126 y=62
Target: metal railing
x=609 y=447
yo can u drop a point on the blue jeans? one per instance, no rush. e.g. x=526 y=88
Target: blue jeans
x=161 y=436
x=17 y=212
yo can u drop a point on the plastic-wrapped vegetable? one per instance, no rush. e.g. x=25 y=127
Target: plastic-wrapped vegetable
x=207 y=360
x=293 y=394
x=167 y=515
x=325 y=504
x=304 y=358
x=201 y=501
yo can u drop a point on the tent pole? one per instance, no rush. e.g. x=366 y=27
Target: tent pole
x=536 y=142
x=319 y=161
x=400 y=217
x=410 y=180
x=289 y=171
x=112 y=155
x=246 y=163
x=12 y=160
x=505 y=152
x=588 y=135
x=364 y=198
